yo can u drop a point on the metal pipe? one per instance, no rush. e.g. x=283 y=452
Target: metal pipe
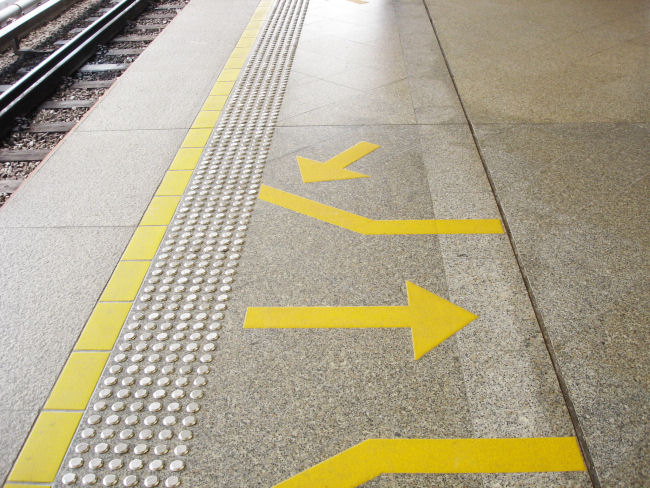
x=16 y=9
x=28 y=22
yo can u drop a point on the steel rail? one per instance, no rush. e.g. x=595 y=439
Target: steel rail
x=19 y=28
x=35 y=86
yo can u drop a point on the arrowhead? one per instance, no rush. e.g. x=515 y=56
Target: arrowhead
x=434 y=319
x=315 y=171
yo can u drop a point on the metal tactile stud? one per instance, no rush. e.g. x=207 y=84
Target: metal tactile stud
x=130 y=480
x=89 y=479
x=161 y=449
x=172 y=482
x=151 y=481
x=181 y=450
x=109 y=480
x=69 y=478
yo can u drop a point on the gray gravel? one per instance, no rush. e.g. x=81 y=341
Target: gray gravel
x=17 y=170
x=64 y=115
x=30 y=140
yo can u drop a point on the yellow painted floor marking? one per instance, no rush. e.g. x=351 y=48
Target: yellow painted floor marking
x=334 y=168
x=23 y=485
x=206 y=120
x=235 y=63
x=373 y=457
x=240 y=52
x=125 y=282
x=250 y=33
x=196 y=137
x=256 y=24
x=215 y=102
x=186 y=158
x=160 y=211
x=144 y=243
x=366 y=226
x=104 y=326
x=77 y=381
x=360 y=2
x=246 y=42
x=45 y=447
x=174 y=183
x=431 y=319
x=222 y=88
x=229 y=74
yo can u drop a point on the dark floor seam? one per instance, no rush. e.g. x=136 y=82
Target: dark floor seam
x=584 y=447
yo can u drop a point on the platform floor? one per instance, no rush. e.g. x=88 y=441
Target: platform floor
x=339 y=243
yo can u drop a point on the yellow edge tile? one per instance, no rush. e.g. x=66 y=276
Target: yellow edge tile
x=235 y=63
x=77 y=381
x=240 y=52
x=246 y=42
x=206 y=120
x=255 y=25
x=174 y=183
x=196 y=138
x=103 y=326
x=250 y=33
x=186 y=158
x=160 y=211
x=228 y=75
x=125 y=282
x=222 y=88
x=39 y=460
x=23 y=485
x=145 y=242
x=214 y=102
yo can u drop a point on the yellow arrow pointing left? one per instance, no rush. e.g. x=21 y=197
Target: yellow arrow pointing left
x=334 y=168
x=431 y=319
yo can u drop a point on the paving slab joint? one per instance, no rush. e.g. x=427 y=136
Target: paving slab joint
x=582 y=441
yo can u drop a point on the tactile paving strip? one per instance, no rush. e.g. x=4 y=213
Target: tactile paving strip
x=138 y=429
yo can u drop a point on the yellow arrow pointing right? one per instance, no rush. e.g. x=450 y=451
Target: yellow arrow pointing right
x=334 y=168
x=431 y=319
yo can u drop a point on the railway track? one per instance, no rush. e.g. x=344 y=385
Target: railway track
x=52 y=85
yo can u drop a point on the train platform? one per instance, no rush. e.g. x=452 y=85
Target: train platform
x=341 y=243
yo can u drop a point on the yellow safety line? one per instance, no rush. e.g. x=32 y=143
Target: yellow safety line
x=369 y=459
x=366 y=226
x=48 y=441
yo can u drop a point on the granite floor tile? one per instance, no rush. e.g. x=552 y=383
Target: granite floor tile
x=576 y=199
x=53 y=289
x=529 y=63
x=15 y=424
x=120 y=171
x=389 y=104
